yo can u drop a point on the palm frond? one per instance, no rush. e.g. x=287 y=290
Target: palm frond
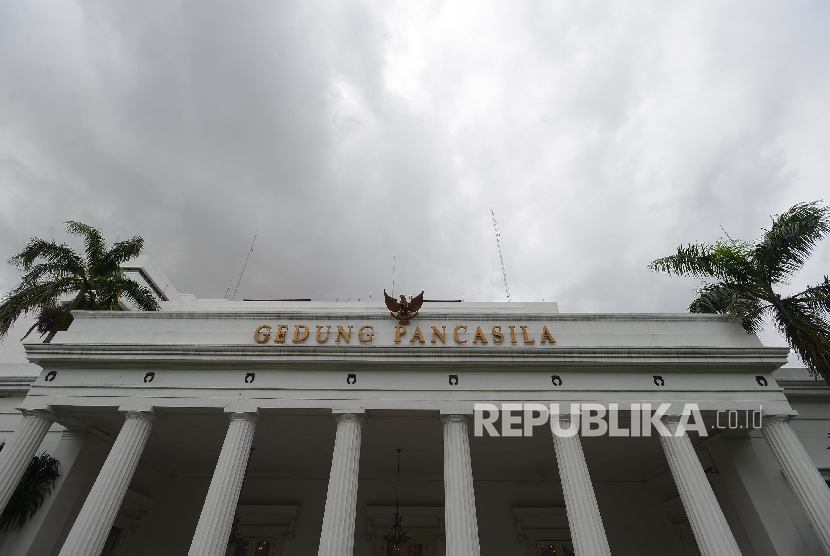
x=36 y=484
x=807 y=333
x=60 y=255
x=691 y=260
x=745 y=276
x=51 y=271
x=728 y=261
x=108 y=294
x=54 y=270
x=785 y=247
x=94 y=242
x=123 y=251
x=51 y=318
x=737 y=301
x=817 y=297
x=26 y=298
x=141 y=296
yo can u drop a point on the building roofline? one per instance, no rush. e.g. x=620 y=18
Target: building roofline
x=16 y=383
x=377 y=311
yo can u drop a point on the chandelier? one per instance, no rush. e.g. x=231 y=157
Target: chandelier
x=396 y=535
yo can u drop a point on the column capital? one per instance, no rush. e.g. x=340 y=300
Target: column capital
x=671 y=419
x=251 y=416
x=772 y=418
x=567 y=417
x=140 y=416
x=138 y=411
x=56 y=416
x=350 y=416
x=455 y=418
x=42 y=411
x=241 y=406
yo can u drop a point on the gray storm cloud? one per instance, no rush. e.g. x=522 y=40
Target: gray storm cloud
x=603 y=135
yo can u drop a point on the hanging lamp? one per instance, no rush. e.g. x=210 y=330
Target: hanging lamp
x=396 y=535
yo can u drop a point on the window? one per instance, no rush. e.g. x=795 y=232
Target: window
x=554 y=548
x=424 y=525
x=263 y=528
x=253 y=547
x=406 y=549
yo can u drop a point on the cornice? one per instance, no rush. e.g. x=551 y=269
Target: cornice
x=100 y=354
x=814 y=389
x=378 y=314
x=16 y=383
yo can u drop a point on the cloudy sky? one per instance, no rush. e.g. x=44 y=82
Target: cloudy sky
x=602 y=134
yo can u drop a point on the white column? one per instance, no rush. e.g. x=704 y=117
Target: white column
x=712 y=533
x=460 y=521
x=587 y=531
x=93 y=524
x=801 y=473
x=765 y=519
x=216 y=520
x=19 y=449
x=337 y=536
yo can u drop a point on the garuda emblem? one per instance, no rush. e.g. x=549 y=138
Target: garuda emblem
x=404 y=310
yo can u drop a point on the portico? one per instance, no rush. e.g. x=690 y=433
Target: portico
x=206 y=421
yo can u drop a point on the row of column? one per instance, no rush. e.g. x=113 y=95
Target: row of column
x=713 y=536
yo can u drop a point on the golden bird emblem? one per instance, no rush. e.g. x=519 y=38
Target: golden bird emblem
x=404 y=310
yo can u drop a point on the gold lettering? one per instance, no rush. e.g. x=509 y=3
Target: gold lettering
x=455 y=334
x=279 y=337
x=547 y=336
x=297 y=337
x=417 y=334
x=261 y=337
x=442 y=334
x=479 y=334
x=398 y=331
x=498 y=337
x=326 y=339
x=512 y=334
x=347 y=335
x=528 y=339
x=369 y=335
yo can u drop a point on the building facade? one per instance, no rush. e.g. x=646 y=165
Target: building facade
x=281 y=421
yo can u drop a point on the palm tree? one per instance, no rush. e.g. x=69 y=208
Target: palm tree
x=53 y=271
x=37 y=483
x=740 y=280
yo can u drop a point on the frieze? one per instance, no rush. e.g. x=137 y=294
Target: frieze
x=460 y=334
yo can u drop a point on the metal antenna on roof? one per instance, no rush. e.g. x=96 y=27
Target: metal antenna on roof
x=244 y=267
x=501 y=259
x=727 y=235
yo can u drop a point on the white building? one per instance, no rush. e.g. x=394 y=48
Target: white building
x=153 y=416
